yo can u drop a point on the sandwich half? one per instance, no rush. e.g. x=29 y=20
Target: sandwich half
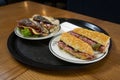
x=29 y=28
x=49 y=24
x=75 y=46
x=98 y=41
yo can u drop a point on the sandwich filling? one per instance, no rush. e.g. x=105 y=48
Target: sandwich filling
x=48 y=23
x=37 y=26
x=96 y=46
x=27 y=27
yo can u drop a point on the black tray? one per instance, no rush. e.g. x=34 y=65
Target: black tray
x=37 y=54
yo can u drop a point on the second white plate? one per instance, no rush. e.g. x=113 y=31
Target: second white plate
x=17 y=32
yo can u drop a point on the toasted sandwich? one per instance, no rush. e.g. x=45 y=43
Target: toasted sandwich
x=98 y=41
x=38 y=25
x=75 y=46
x=49 y=24
x=28 y=25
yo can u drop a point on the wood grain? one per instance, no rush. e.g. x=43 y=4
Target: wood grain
x=106 y=69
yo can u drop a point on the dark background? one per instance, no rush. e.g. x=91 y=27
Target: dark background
x=102 y=9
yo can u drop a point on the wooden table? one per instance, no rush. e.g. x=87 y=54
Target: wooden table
x=106 y=69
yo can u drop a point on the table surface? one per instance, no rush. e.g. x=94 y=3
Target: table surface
x=106 y=69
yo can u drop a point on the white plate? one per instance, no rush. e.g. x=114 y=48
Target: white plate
x=56 y=51
x=17 y=32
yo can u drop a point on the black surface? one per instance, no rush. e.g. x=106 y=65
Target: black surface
x=37 y=54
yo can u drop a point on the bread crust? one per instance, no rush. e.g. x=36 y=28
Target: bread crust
x=76 y=43
x=98 y=37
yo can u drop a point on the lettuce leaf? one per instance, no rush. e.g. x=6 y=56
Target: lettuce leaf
x=26 y=32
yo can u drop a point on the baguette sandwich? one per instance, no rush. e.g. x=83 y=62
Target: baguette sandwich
x=98 y=41
x=75 y=46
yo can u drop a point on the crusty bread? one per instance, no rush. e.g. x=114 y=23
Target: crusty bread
x=76 y=43
x=93 y=35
